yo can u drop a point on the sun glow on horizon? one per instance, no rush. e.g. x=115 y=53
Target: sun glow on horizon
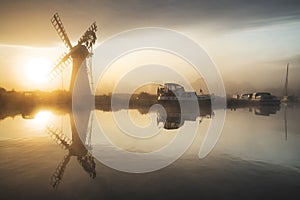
x=37 y=69
x=43 y=116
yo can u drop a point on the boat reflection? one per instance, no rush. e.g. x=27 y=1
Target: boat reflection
x=173 y=117
x=268 y=110
x=264 y=110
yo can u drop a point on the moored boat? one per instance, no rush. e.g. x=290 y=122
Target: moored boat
x=174 y=93
x=257 y=98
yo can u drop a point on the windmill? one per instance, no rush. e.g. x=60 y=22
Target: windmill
x=75 y=54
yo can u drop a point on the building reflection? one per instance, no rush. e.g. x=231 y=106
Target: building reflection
x=77 y=147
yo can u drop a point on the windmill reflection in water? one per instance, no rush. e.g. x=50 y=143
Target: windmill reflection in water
x=76 y=148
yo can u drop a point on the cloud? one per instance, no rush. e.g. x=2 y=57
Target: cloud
x=26 y=22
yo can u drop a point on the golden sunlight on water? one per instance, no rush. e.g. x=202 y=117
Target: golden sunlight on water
x=122 y=140
x=29 y=126
x=118 y=133
x=256 y=154
x=43 y=116
x=41 y=120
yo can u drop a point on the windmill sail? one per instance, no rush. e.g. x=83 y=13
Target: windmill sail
x=61 y=63
x=89 y=34
x=61 y=30
x=59 y=171
x=88 y=163
x=59 y=137
x=76 y=54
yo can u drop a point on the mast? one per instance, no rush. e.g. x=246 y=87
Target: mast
x=286 y=81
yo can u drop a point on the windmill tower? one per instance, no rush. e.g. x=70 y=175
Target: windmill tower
x=75 y=54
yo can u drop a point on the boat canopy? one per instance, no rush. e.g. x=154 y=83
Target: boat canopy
x=174 y=87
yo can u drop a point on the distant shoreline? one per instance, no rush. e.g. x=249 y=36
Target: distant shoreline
x=26 y=103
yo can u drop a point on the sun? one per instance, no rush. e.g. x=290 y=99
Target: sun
x=37 y=69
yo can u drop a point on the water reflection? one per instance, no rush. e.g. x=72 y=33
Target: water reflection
x=253 y=153
x=264 y=110
x=75 y=147
x=285 y=122
x=267 y=110
x=80 y=146
x=173 y=117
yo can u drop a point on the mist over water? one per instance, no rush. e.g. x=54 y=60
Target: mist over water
x=256 y=157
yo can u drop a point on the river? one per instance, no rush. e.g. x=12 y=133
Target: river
x=256 y=157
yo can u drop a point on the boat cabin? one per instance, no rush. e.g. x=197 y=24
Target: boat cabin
x=171 y=87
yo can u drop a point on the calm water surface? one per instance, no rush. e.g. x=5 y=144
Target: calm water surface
x=256 y=157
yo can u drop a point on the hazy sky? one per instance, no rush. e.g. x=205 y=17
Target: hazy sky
x=250 y=41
